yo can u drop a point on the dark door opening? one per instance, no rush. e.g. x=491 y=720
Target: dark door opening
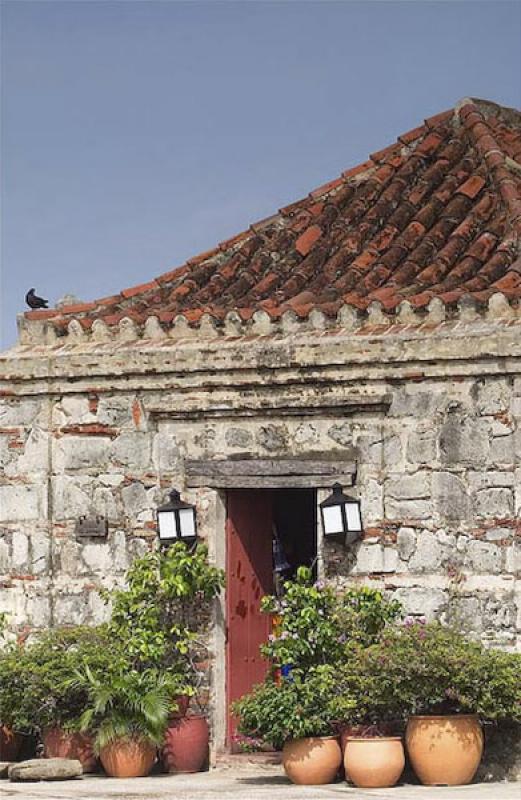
x=255 y=517
x=295 y=524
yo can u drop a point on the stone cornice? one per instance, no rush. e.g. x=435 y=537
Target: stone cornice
x=37 y=329
x=470 y=344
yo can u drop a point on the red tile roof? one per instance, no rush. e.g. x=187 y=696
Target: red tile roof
x=438 y=214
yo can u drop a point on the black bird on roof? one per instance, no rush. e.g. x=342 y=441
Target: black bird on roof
x=33 y=301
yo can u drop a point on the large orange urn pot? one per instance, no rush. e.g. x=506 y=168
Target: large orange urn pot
x=313 y=760
x=57 y=743
x=444 y=750
x=128 y=758
x=374 y=762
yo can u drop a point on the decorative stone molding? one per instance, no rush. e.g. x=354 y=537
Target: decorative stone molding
x=75 y=331
x=207 y=327
x=153 y=329
x=100 y=331
x=376 y=315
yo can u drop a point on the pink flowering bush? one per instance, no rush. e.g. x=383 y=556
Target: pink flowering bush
x=419 y=668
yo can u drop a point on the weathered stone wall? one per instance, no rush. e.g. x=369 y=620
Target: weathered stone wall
x=447 y=477
x=434 y=417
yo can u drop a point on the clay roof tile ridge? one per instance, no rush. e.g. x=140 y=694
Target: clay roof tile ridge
x=482 y=135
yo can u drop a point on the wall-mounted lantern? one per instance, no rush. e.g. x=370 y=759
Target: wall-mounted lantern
x=341 y=516
x=176 y=520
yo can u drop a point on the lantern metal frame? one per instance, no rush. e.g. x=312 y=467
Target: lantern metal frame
x=175 y=506
x=341 y=500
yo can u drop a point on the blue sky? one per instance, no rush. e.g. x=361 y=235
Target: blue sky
x=137 y=134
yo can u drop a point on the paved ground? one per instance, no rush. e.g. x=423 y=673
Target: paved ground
x=248 y=784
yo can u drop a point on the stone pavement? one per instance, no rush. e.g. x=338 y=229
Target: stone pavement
x=268 y=783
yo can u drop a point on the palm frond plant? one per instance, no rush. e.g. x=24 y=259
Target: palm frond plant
x=124 y=703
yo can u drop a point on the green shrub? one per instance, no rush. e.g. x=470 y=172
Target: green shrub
x=428 y=669
x=152 y=636
x=318 y=625
x=317 y=629
x=159 y=613
x=34 y=690
x=298 y=706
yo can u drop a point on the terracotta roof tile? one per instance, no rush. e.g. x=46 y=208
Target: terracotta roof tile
x=413 y=135
x=438 y=213
x=138 y=290
x=305 y=242
x=472 y=186
x=77 y=308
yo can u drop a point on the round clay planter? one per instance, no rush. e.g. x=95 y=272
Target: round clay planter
x=186 y=744
x=57 y=743
x=10 y=744
x=445 y=751
x=128 y=758
x=363 y=732
x=312 y=761
x=374 y=763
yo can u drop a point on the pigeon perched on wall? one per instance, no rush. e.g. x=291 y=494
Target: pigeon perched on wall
x=33 y=301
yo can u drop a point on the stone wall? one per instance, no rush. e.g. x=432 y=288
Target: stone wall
x=448 y=542
x=434 y=417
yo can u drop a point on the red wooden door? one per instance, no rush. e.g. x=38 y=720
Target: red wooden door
x=249 y=577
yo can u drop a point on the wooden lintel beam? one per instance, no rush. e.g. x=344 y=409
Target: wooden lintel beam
x=269 y=473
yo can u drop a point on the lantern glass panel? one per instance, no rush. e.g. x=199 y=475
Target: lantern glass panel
x=354 y=520
x=167 y=525
x=332 y=519
x=187 y=522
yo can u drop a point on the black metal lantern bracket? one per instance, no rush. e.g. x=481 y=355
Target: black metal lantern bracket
x=340 y=527
x=174 y=507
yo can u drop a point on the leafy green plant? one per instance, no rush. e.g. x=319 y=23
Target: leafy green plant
x=34 y=678
x=318 y=625
x=152 y=635
x=165 y=603
x=317 y=629
x=125 y=704
x=363 y=614
x=419 y=668
x=14 y=711
x=295 y=707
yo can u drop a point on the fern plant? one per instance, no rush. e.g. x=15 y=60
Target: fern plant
x=126 y=704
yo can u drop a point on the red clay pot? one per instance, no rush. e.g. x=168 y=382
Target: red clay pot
x=57 y=743
x=186 y=744
x=128 y=758
x=10 y=744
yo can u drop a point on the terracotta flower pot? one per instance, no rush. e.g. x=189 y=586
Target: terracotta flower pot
x=186 y=744
x=312 y=761
x=57 y=743
x=10 y=744
x=445 y=751
x=363 y=732
x=128 y=758
x=373 y=763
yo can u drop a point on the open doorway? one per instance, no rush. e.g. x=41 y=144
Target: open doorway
x=263 y=526
x=295 y=525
